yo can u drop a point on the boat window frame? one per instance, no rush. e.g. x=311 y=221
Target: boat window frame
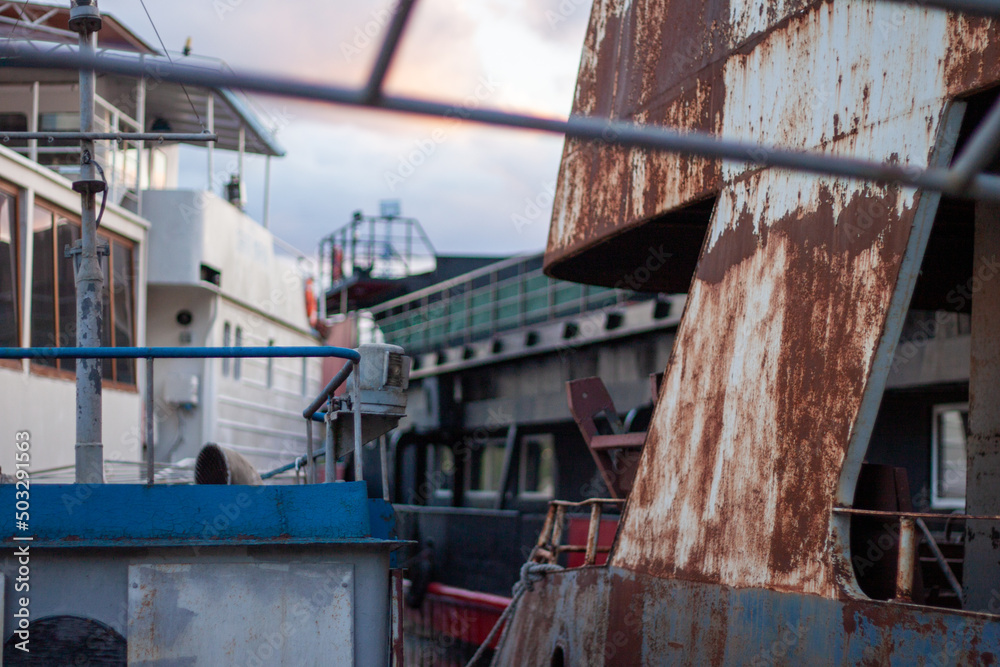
x=483 y=494
x=56 y=214
x=938 y=501
x=15 y=193
x=522 y=467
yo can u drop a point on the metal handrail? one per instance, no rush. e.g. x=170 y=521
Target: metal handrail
x=151 y=353
x=612 y=132
x=428 y=324
x=312 y=413
x=176 y=352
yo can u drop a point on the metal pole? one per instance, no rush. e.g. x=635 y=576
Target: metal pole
x=33 y=123
x=89 y=286
x=907 y=559
x=241 y=152
x=150 y=407
x=359 y=474
x=210 y=119
x=593 y=534
x=140 y=146
x=310 y=461
x=383 y=446
x=942 y=561
x=267 y=191
x=331 y=448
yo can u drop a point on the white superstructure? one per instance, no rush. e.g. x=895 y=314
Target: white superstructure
x=185 y=268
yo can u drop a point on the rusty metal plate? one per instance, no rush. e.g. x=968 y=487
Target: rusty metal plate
x=608 y=616
x=794 y=73
x=787 y=306
x=241 y=614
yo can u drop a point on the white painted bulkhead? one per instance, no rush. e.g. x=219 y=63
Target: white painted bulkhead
x=41 y=400
x=252 y=406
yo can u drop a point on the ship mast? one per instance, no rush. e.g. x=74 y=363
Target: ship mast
x=85 y=18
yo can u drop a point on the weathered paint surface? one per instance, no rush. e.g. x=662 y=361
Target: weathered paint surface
x=635 y=619
x=241 y=614
x=119 y=515
x=728 y=533
x=794 y=282
x=735 y=68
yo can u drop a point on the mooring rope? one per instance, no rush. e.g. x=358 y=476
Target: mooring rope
x=531 y=573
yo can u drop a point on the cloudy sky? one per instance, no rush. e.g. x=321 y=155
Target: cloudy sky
x=464 y=182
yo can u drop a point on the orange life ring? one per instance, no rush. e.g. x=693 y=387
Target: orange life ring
x=311 y=309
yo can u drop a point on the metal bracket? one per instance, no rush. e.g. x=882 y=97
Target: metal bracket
x=77 y=248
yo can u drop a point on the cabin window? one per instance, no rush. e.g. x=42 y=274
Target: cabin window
x=441 y=471
x=118 y=329
x=10 y=320
x=237 y=362
x=948 y=438
x=227 y=340
x=53 y=292
x=537 y=467
x=485 y=468
x=13 y=122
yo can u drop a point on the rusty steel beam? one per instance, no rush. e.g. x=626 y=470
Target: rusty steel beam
x=981 y=575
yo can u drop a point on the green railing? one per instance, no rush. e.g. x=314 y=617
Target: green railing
x=508 y=295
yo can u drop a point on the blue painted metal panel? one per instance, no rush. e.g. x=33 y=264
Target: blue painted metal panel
x=382 y=518
x=118 y=515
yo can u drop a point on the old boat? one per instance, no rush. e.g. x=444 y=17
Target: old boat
x=747 y=534
x=228 y=571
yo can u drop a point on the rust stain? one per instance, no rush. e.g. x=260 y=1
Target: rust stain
x=789 y=299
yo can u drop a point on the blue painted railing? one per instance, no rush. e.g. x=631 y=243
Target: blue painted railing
x=175 y=352
x=150 y=353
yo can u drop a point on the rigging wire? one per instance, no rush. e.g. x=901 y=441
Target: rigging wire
x=88 y=159
x=167 y=54
x=20 y=15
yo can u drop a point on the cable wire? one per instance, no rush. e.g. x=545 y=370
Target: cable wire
x=88 y=159
x=20 y=15
x=167 y=54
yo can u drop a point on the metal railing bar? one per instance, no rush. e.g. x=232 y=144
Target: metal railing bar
x=358 y=435
x=941 y=560
x=979 y=150
x=110 y=136
x=451 y=283
x=176 y=352
x=918 y=515
x=589 y=501
x=611 y=132
x=299 y=462
x=331 y=386
x=150 y=476
x=373 y=89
